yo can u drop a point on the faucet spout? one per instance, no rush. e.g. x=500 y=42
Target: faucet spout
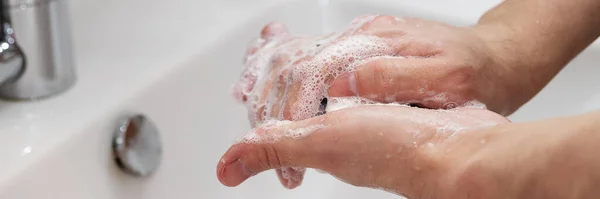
x=36 y=59
x=12 y=63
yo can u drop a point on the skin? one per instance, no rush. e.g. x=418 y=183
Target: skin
x=503 y=61
x=553 y=158
x=534 y=39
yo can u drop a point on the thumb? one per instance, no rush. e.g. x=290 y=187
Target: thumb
x=272 y=146
x=428 y=82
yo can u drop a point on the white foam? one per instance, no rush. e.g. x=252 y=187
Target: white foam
x=309 y=61
x=331 y=61
x=446 y=122
x=337 y=103
x=474 y=104
x=302 y=132
x=272 y=131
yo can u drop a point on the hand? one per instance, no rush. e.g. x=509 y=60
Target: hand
x=382 y=58
x=287 y=77
x=434 y=65
x=406 y=150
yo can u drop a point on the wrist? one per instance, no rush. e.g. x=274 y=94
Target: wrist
x=514 y=83
x=534 y=42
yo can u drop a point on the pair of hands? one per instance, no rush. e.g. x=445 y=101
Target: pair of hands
x=427 y=64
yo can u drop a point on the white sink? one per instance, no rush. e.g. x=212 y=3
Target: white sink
x=174 y=61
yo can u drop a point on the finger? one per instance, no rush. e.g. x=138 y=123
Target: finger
x=268 y=148
x=290 y=177
x=253 y=47
x=424 y=81
x=270 y=32
x=273 y=30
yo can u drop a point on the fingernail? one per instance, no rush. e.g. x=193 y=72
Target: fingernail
x=235 y=173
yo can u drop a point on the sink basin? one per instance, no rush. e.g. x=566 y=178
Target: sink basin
x=174 y=61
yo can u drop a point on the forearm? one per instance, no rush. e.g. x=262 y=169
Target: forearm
x=554 y=158
x=572 y=169
x=580 y=159
x=535 y=39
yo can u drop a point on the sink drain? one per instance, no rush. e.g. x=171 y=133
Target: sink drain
x=137 y=146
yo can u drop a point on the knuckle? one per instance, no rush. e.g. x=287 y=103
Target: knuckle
x=463 y=73
x=463 y=79
x=268 y=158
x=274 y=160
x=376 y=73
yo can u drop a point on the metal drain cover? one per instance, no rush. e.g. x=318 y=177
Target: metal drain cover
x=137 y=146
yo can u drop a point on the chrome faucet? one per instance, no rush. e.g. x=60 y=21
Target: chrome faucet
x=35 y=49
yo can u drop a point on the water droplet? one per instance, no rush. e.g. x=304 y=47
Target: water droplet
x=482 y=141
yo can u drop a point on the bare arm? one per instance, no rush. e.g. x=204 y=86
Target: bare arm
x=537 y=38
x=572 y=169
x=554 y=158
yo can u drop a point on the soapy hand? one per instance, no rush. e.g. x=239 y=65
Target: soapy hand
x=410 y=151
x=287 y=77
x=377 y=58
x=381 y=58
